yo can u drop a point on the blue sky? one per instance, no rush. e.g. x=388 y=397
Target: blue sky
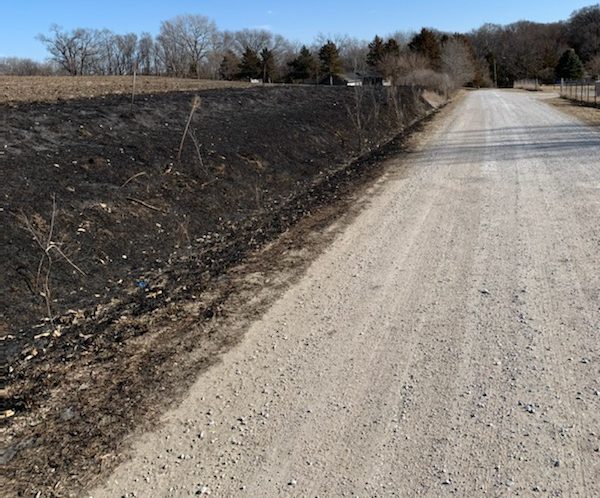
x=299 y=20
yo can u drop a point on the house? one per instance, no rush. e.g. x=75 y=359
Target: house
x=344 y=79
x=369 y=78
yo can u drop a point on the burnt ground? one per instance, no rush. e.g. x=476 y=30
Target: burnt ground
x=171 y=250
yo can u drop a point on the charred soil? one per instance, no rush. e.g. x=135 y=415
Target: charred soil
x=150 y=254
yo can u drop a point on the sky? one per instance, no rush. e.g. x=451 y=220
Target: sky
x=300 y=20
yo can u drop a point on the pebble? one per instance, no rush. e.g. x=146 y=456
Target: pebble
x=204 y=490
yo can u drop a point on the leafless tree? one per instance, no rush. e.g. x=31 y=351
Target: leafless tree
x=399 y=68
x=185 y=43
x=584 y=31
x=457 y=61
x=171 y=52
x=254 y=39
x=105 y=60
x=402 y=38
x=353 y=53
x=18 y=66
x=74 y=50
x=126 y=53
x=198 y=35
x=145 y=53
x=593 y=66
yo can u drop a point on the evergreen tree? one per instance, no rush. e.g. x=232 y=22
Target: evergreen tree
x=376 y=52
x=392 y=48
x=250 y=66
x=304 y=66
x=569 y=66
x=426 y=43
x=331 y=64
x=267 y=63
x=229 y=68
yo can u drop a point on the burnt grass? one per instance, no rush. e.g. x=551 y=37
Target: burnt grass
x=156 y=238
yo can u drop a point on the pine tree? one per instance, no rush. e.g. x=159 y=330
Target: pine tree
x=376 y=52
x=426 y=43
x=304 y=66
x=329 y=55
x=569 y=66
x=392 y=48
x=229 y=68
x=250 y=66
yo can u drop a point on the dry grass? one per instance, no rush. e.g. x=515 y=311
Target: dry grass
x=589 y=115
x=53 y=88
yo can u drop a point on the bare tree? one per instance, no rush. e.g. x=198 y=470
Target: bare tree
x=402 y=38
x=593 y=66
x=74 y=50
x=353 y=53
x=399 y=68
x=171 y=53
x=126 y=53
x=584 y=31
x=198 y=35
x=18 y=66
x=254 y=39
x=185 y=42
x=457 y=61
x=145 y=52
x=105 y=60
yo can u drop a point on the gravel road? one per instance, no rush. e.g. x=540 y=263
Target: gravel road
x=446 y=343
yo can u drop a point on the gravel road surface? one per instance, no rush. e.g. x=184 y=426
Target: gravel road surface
x=446 y=343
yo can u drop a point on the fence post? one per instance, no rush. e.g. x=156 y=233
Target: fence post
x=587 y=97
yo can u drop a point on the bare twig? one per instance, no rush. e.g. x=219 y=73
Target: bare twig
x=355 y=114
x=145 y=204
x=195 y=105
x=46 y=256
x=197 y=146
x=206 y=184
x=133 y=89
x=59 y=250
x=141 y=173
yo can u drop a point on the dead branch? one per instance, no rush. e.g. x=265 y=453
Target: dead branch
x=145 y=204
x=133 y=89
x=46 y=249
x=141 y=173
x=195 y=105
x=197 y=146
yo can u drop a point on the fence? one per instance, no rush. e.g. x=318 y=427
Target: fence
x=528 y=85
x=587 y=91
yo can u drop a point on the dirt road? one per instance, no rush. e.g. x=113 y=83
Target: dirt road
x=446 y=343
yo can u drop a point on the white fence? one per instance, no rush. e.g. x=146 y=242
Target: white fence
x=528 y=85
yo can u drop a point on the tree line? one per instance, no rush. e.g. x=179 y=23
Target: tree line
x=193 y=46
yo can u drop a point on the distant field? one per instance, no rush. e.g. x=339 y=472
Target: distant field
x=53 y=88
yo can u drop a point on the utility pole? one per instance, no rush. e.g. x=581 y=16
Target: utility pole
x=495 y=74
